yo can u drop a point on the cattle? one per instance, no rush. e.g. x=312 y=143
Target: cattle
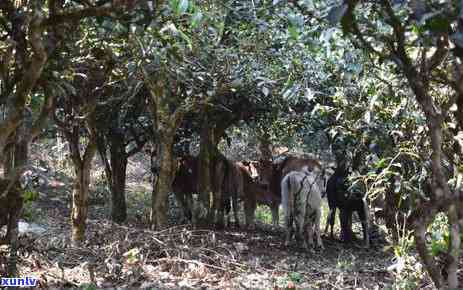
x=222 y=180
x=185 y=183
x=254 y=193
x=301 y=199
x=250 y=167
x=272 y=172
x=338 y=195
x=232 y=189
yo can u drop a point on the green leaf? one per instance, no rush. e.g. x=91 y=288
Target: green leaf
x=174 y=5
x=293 y=32
x=438 y=24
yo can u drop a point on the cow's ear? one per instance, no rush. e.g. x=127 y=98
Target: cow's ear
x=245 y=163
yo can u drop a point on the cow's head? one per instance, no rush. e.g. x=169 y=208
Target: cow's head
x=251 y=168
x=265 y=172
x=186 y=164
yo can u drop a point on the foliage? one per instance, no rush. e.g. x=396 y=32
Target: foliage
x=407 y=270
x=30 y=211
x=263 y=214
x=439 y=235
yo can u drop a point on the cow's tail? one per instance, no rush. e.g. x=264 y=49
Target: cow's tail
x=287 y=198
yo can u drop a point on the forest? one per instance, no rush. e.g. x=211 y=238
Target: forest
x=226 y=144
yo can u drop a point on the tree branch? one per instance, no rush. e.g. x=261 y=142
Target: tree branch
x=46 y=111
x=79 y=13
x=28 y=81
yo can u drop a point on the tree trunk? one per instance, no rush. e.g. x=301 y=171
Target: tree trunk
x=164 y=182
x=80 y=202
x=439 y=188
x=118 y=176
x=82 y=167
x=165 y=123
x=17 y=155
x=453 y=253
x=391 y=211
x=204 y=171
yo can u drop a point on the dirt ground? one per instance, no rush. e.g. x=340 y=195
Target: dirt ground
x=132 y=256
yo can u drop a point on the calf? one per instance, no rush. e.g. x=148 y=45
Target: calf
x=186 y=183
x=255 y=193
x=339 y=197
x=224 y=179
x=232 y=189
x=301 y=198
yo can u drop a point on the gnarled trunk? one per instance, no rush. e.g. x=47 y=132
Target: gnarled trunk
x=164 y=182
x=82 y=166
x=118 y=176
x=80 y=202
x=17 y=155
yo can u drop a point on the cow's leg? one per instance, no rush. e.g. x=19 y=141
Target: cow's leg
x=235 y=210
x=330 y=221
x=364 y=218
x=190 y=206
x=227 y=211
x=316 y=226
x=333 y=218
x=346 y=235
x=220 y=223
x=347 y=225
x=250 y=205
x=300 y=224
x=306 y=233
x=183 y=202
x=219 y=213
x=275 y=216
x=366 y=236
x=289 y=219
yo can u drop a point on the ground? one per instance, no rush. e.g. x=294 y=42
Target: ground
x=131 y=255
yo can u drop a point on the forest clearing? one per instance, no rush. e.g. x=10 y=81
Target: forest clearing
x=272 y=144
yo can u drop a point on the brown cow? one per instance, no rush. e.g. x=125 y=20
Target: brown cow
x=271 y=173
x=251 y=168
x=186 y=183
x=223 y=185
x=253 y=193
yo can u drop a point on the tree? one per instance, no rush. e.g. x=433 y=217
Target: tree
x=31 y=34
x=416 y=37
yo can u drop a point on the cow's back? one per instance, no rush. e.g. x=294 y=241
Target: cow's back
x=292 y=163
x=289 y=164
